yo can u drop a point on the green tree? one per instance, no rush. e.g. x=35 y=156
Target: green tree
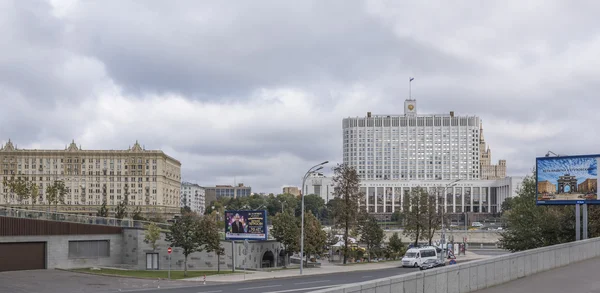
x=286 y=230
x=347 y=189
x=506 y=205
x=312 y=203
x=396 y=245
x=432 y=217
x=137 y=214
x=398 y=217
x=415 y=209
x=103 y=210
x=371 y=234
x=532 y=226
x=185 y=209
x=315 y=238
x=34 y=193
x=184 y=233
x=211 y=238
x=152 y=235
x=56 y=193
x=121 y=210
x=21 y=188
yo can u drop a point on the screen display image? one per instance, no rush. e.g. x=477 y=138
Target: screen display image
x=567 y=180
x=251 y=225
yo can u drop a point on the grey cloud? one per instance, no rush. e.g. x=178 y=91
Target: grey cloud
x=267 y=44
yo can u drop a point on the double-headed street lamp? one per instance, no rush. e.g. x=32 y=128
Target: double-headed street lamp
x=313 y=169
x=443 y=207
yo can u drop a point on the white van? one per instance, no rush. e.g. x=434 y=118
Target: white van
x=414 y=257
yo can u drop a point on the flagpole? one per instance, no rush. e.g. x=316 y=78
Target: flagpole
x=409 y=88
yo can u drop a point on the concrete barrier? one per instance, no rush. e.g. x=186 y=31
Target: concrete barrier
x=480 y=274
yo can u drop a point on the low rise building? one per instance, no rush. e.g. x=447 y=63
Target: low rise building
x=465 y=196
x=291 y=190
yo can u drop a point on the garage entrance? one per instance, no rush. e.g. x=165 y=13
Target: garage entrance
x=22 y=256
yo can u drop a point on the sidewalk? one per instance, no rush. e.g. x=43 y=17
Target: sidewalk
x=327 y=268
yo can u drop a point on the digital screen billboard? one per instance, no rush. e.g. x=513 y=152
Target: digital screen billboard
x=251 y=225
x=567 y=180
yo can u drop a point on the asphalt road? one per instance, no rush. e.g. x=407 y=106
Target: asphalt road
x=291 y=285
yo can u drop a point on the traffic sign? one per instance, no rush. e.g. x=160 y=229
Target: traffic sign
x=169 y=250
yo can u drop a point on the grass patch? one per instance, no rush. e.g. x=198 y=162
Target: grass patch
x=149 y=274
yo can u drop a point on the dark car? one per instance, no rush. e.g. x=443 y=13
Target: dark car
x=432 y=263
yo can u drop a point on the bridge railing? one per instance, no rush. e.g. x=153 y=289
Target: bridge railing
x=74 y=218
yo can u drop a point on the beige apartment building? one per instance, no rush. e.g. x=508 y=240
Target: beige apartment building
x=488 y=170
x=293 y=190
x=546 y=187
x=151 y=178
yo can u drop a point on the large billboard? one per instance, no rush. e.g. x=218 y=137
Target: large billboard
x=567 y=180
x=251 y=225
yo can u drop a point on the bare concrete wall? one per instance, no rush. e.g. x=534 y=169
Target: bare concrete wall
x=135 y=250
x=57 y=250
x=477 y=275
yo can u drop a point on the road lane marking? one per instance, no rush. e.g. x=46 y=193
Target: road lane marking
x=261 y=287
x=313 y=282
x=304 y=289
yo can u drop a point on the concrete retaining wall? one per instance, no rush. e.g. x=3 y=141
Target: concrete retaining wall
x=477 y=275
x=473 y=236
x=57 y=250
x=135 y=249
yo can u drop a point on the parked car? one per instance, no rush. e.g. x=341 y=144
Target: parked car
x=431 y=263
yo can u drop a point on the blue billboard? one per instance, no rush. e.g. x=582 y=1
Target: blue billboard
x=241 y=225
x=567 y=180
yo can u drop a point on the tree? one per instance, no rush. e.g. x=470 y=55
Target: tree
x=432 y=217
x=371 y=234
x=185 y=209
x=315 y=238
x=286 y=230
x=396 y=245
x=152 y=235
x=137 y=214
x=184 y=233
x=121 y=210
x=211 y=238
x=313 y=203
x=347 y=188
x=506 y=205
x=21 y=188
x=415 y=208
x=34 y=192
x=532 y=226
x=397 y=217
x=103 y=210
x=55 y=193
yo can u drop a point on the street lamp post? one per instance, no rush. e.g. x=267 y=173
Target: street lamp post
x=311 y=170
x=443 y=240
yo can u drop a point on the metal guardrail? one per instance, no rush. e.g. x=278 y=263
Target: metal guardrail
x=74 y=218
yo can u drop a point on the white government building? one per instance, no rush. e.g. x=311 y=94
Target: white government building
x=394 y=154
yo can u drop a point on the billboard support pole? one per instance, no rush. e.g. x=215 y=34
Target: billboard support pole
x=233 y=256
x=585 y=221
x=577 y=222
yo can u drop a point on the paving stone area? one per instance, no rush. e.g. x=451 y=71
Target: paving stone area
x=57 y=281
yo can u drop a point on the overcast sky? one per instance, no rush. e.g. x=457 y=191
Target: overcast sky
x=256 y=90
